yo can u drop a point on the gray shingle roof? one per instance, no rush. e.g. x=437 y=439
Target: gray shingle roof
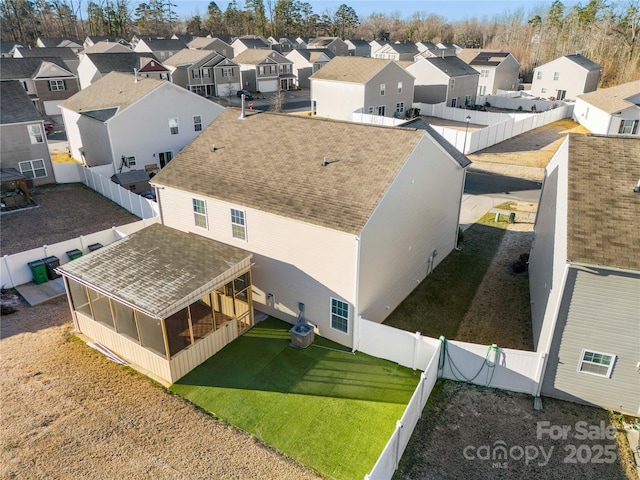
x=189 y=57
x=163 y=44
x=254 y=56
x=158 y=269
x=119 y=62
x=20 y=68
x=351 y=69
x=613 y=99
x=115 y=90
x=274 y=163
x=603 y=210
x=584 y=62
x=421 y=124
x=65 y=53
x=15 y=104
x=452 y=66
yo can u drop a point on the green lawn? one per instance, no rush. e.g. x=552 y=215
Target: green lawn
x=438 y=305
x=331 y=410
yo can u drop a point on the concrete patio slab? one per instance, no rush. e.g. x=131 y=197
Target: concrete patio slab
x=45 y=292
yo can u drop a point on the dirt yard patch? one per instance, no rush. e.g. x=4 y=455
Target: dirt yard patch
x=69 y=412
x=530 y=149
x=470 y=432
x=65 y=211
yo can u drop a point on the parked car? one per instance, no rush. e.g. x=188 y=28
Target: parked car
x=247 y=95
x=48 y=127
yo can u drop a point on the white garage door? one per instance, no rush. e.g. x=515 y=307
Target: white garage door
x=222 y=90
x=51 y=107
x=265 y=86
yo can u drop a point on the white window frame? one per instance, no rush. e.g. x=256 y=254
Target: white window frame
x=339 y=315
x=539 y=75
x=383 y=87
x=173 y=124
x=543 y=90
x=128 y=161
x=57 y=85
x=556 y=76
x=227 y=72
x=195 y=73
x=484 y=73
x=28 y=169
x=238 y=224
x=197 y=124
x=609 y=367
x=452 y=83
x=483 y=90
x=370 y=110
x=35 y=134
x=627 y=127
x=400 y=107
x=399 y=87
x=199 y=207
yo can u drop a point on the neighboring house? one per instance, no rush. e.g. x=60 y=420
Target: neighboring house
x=135 y=39
x=23 y=142
x=265 y=71
x=47 y=81
x=377 y=45
x=365 y=85
x=400 y=52
x=453 y=48
x=7 y=48
x=184 y=37
x=444 y=80
x=333 y=44
x=249 y=42
x=91 y=40
x=106 y=47
x=498 y=70
x=94 y=66
x=44 y=42
x=424 y=46
x=584 y=273
x=431 y=50
x=358 y=48
x=215 y=44
x=67 y=54
x=303 y=41
x=204 y=72
x=228 y=39
x=565 y=78
x=282 y=44
x=610 y=111
x=307 y=62
x=162 y=49
x=346 y=227
x=133 y=123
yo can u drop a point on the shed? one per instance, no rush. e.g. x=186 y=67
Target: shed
x=14 y=188
x=135 y=180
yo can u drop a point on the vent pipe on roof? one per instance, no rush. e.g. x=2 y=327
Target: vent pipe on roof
x=135 y=75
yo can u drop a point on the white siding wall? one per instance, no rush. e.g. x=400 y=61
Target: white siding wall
x=506 y=75
x=87 y=72
x=336 y=100
x=294 y=261
x=142 y=130
x=89 y=136
x=573 y=78
x=592 y=118
x=547 y=264
x=418 y=214
x=390 y=76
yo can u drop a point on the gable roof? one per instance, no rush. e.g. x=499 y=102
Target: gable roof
x=20 y=68
x=603 y=210
x=200 y=43
x=228 y=39
x=162 y=44
x=59 y=41
x=405 y=47
x=312 y=55
x=188 y=57
x=120 y=62
x=254 y=56
x=250 y=169
x=66 y=53
x=321 y=41
x=613 y=99
x=489 y=58
x=584 y=62
x=114 y=90
x=421 y=124
x=106 y=47
x=351 y=69
x=15 y=104
x=357 y=42
x=451 y=66
x=254 y=43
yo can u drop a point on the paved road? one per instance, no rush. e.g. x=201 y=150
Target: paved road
x=502 y=186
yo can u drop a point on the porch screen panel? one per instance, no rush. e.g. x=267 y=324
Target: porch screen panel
x=201 y=317
x=101 y=308
x=125 y=321
x=151 y=336
x=178 y=333
x=79 y=297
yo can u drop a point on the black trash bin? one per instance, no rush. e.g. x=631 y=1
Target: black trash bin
x=94 y=246
x=38 y=271
x=51 y=263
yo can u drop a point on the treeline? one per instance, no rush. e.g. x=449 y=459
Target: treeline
x=607 y=33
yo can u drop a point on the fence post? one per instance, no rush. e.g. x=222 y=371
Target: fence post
x=416 y=348
x=82 y=244
x=6 y=263
x=423 y=381
x=398 y=453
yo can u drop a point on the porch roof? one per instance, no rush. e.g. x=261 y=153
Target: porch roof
x=158 y=270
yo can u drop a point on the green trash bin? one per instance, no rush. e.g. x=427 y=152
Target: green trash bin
x=73 y=254
x=38 y=271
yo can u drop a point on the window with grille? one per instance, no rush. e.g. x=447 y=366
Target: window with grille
x=197 y=123
x=238 y=227
x=339 y=315
x=200 y=213
x=382 y=89
x=35 y=134
x=57 y=85
x=33 y=168
x=596 y=363
x=173 y=126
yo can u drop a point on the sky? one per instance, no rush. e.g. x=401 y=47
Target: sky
x=451 y=10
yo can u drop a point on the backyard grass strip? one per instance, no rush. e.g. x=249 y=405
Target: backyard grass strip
x=329 y=409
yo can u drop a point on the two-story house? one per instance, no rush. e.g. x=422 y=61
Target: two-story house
x=348 y=85
x=265 y=71
x=23 y=142
x=610 y=111
x=47 y=81
x=307 y=62
x=400 y=52
x=332 y=232
x=498 y=70
x=565 y=77
x=444 y=80
x=52 y=42
x=92 y=40
x=249 y=42
x=133 y=123
x=161 y=48
x=333 y=44
x=94 y=66
x=282 y=44
x=204 y=72
x=358 y=47
x=212 y=43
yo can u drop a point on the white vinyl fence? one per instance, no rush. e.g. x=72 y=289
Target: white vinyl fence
x=490 y=366
x=514 y=125
x=360 y=117
x=14 y=269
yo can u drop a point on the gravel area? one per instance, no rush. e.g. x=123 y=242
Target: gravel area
x=68 y=412
x=64 y=211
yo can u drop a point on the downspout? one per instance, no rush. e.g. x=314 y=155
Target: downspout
x=356 y=312
x=464 y=179
x=157 y=189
